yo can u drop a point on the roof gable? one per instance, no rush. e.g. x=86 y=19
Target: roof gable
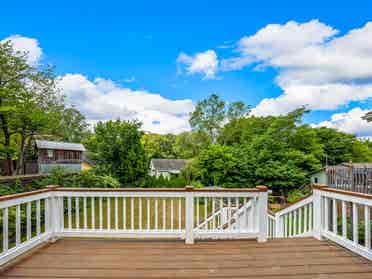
x=168 y=164
x=59 y=145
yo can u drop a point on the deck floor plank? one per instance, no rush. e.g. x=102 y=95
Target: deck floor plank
x=282 y=258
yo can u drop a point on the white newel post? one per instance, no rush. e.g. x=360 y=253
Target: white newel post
x=189 y=208
x=262 y=214
x=318 y=212
x=54 y=220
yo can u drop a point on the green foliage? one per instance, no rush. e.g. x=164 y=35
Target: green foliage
x=85 y=179
x=210 y=113
x=295 y=196
x=175 y=181
x=117 y=150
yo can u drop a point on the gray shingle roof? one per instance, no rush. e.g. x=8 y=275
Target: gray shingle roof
x=58 y=145
x=169 y=164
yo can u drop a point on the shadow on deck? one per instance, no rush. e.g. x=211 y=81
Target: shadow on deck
x=280 y=258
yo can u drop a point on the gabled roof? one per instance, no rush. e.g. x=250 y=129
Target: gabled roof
x=59 y=145
x=168 y=164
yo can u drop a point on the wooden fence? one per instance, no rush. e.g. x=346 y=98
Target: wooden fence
x=350 y=178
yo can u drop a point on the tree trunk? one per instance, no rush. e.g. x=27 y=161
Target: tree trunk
x=8 y=158
x=21 y=160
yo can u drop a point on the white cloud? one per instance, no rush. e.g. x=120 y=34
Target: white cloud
x=102 y=99
x=205 y=63
x=349 y=122
x=316 y=66
x=27 y=45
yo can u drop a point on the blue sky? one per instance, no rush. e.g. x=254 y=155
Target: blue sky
x=114 y=57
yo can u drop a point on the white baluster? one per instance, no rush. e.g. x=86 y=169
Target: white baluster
x=164 y=214
x=179 y=213
x=148 y=214
x=124 y=213
x=306 y=225
x=116 y=214
x=355 y=223
x=197 y=213
x=38 y=221
x=140 y=213
x=205 y=213
x=156 y=214
x=18 y=225
x=367 y=227
x=300 y=220
x=213 y=213
x=334 y=216
x=85 y=212
x=93 y=213
x=77 y=212
x=132 y=214
x=108 y=213
x=69 y=213
x=344 y=220
x=171 y=217
x=100 y=214
x=5 y=229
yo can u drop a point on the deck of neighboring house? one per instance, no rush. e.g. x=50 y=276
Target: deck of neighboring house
x=281 y=258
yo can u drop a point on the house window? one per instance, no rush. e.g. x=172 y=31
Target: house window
x=315 y=179
x=50 y=153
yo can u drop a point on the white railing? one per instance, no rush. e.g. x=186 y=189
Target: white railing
x=345 y=218
x=295 y=220
x=29 y=219
x=26 y=222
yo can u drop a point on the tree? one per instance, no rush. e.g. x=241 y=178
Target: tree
x=159 y=146
x=117 y=150
x=73 y=126
x=29 y=103
x=189 y=144
x=210 y=114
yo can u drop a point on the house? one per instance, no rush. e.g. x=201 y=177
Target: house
x=342 y=170
x=166 y=167
x=319 y=177
x=53 y=154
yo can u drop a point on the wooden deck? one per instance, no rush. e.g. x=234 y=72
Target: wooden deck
x=279 y=259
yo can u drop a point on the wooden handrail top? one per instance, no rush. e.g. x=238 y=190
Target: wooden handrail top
x=343 y=192
x=187 y=189
x=141 y=190
x=25 y=194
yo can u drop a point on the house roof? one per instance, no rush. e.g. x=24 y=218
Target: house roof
x=168 y=164
x=59 y=145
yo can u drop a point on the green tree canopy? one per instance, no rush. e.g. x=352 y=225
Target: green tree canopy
x=117 y=149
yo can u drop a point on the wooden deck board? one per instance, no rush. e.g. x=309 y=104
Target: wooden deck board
x=283 y=258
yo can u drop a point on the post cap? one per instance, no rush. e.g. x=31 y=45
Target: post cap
x=189 y=188
x=319 y=186
x=262 y=188
x=52 y=187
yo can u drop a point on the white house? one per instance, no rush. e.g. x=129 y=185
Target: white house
x=166 y=167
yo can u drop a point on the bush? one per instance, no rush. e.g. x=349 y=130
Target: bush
x=85 y=179
x=295 y=196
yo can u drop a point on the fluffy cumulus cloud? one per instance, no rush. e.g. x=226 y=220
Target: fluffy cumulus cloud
x=28 y=45
x=349 y=122
x=205 y=63
x=102 y=99
x=317 y=67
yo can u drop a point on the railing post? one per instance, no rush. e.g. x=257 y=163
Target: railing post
x=189 y=208
x=54 y=216
x=318 y=211
x=262 y=214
